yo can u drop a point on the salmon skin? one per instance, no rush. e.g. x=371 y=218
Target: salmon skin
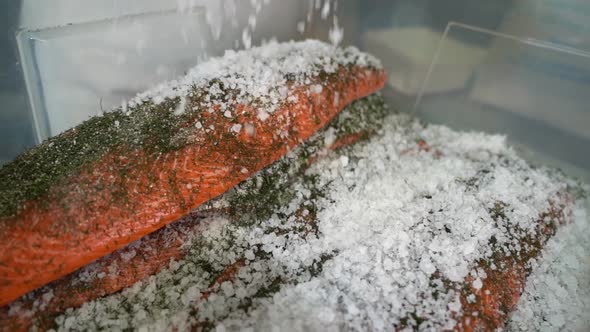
x=154 y=252
x=118 y=177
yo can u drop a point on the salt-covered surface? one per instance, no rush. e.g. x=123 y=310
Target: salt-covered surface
x=557 y=294
x=376 y=236
x=262 y=75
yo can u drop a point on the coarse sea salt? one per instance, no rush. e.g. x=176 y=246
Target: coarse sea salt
x=263 y=74
x=394 y=223
x=557 y=294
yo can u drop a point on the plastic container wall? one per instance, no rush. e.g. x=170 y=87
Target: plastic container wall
x=536 y=93
x=518 y=68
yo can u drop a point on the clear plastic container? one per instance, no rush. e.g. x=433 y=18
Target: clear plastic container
x=535 y=92
x=76 y=71
x=519 y=68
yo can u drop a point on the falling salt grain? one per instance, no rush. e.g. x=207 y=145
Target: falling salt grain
x=227 y=288
x=252 y=21
x=301 y=27
x=318 y=4
x=336 y=33
x=326 y=9
x=246 y=39
x=426 y=266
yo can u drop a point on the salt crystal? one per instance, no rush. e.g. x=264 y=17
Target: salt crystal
x=344 y=161
x=426 y=266
x=236 y=128
x=477 y=284
x=336 y=100
x=317 y=88
x=329 y=137
x=455 y=306
x=220 y=328
x=246 y=38
x=249 y=255
x=263 y=115
x=128 y=255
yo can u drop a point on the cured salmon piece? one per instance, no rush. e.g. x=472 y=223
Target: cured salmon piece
x=152 y=253
x=118 y=177
x=487 y=308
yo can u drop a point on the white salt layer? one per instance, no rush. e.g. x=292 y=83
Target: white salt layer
x=398 y=218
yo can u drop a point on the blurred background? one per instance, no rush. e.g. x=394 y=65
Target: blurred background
x=515 y=67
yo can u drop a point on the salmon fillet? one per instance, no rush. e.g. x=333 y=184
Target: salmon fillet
x=76 y=198
x=154 y=252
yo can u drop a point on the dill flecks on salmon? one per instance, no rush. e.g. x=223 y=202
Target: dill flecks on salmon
x=118 y=177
